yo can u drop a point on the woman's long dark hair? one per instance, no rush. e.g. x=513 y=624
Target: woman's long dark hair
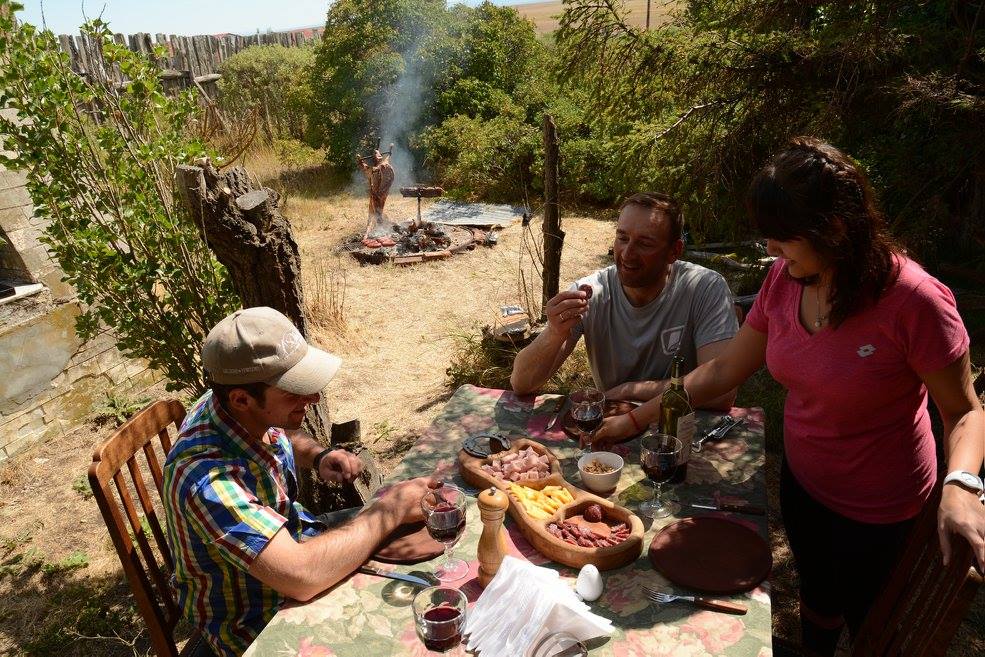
x=813 y=191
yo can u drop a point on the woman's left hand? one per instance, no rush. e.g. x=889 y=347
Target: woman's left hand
x=961 y=513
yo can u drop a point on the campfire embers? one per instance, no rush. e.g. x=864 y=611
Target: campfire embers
x=416 y=236
x=411 y=241
x=420 y=239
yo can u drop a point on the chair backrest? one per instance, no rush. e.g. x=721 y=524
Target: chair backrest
x=148 y=572
x=924 y=602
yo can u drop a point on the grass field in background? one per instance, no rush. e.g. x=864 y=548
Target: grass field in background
x=545 y=14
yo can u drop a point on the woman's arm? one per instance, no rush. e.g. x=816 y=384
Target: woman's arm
x=964 y=449
x=745 y=354
x=643 y=391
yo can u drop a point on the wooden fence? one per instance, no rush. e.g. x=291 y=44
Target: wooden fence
x=188 y=59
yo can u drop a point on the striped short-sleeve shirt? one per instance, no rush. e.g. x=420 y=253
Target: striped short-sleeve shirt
x=225 y=496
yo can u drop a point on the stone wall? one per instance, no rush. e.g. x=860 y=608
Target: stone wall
x=49 y=380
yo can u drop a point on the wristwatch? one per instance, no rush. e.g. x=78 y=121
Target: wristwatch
x=966 y=480
x=319 y=456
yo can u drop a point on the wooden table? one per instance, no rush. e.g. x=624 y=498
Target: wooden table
x=367 y=616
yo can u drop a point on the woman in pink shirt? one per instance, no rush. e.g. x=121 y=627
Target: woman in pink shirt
x=858 y=334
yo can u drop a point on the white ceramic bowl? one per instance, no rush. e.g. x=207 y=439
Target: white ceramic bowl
x=600 y=483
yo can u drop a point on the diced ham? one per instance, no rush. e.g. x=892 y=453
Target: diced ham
x=524 y=465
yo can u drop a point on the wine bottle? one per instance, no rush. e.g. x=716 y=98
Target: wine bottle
x=676 y=414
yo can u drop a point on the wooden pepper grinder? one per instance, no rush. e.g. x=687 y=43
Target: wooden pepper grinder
x=492 y=543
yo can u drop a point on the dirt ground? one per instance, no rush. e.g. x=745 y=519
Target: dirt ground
x=61 y=586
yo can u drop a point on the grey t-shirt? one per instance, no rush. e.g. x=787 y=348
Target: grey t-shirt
x=626 y=343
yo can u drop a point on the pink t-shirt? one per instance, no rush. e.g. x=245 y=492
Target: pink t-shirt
x=856 y=429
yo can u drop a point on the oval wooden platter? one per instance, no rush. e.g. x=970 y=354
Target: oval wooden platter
x=535 y=530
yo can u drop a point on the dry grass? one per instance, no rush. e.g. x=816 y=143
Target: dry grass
x=325 y=300
x=545 y=14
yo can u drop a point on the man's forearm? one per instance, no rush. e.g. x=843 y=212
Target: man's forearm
x=338 y=552
x=305 y=447
x=535 y=363
x=303 y=570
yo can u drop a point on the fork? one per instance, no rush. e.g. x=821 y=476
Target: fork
x=724 y=426
x=660 y=597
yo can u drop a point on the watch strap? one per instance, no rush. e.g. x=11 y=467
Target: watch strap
x=318 y=457
x=965 y=478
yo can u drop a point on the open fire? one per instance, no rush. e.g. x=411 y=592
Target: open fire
x=406 y=241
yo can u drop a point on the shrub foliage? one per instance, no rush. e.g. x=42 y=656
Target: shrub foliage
x=272 y=81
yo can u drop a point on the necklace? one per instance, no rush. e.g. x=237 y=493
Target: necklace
x=819 y=319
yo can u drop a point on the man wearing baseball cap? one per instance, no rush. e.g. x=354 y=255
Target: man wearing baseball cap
x=242 y=542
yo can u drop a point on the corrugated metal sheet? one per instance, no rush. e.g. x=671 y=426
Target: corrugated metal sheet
x=472 y=214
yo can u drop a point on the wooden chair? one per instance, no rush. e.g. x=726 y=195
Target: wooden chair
x=149 y=578
x=924 y=602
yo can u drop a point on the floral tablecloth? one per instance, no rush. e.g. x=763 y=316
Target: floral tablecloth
x=367 y=616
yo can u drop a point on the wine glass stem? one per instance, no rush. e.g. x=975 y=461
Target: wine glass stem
x=658 y=491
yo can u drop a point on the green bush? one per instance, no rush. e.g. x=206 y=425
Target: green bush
x=295 y=153
x=482 y=159
x=272 y=81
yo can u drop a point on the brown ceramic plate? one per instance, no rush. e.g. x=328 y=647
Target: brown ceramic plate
x=711 y=555
x=613 y=407
x=408 y=544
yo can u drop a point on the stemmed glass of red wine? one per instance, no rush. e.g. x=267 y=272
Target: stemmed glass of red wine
x=439 y=616
x=661 y=457
x=587 y=410
x=444 y=515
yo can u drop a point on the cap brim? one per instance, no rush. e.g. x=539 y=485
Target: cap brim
x=311 y=374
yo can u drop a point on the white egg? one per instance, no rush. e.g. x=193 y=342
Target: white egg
x=589 y=583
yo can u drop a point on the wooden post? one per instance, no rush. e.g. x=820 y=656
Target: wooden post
x=553 y=235
x=245 y=230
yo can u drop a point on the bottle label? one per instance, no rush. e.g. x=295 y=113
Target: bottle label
x=686 y=428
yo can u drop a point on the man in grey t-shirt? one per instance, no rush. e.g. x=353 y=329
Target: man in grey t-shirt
x=642 y=310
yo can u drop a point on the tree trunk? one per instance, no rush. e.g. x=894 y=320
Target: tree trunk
x=245 y=230
x=553 y=235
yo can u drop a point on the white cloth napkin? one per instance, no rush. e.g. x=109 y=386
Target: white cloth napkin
x=522 y=604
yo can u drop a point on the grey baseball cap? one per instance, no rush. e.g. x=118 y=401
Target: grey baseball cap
x=261 y=345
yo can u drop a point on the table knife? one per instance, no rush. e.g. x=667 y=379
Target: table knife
x=560 y=413
x=751 y=509
x=411 y=579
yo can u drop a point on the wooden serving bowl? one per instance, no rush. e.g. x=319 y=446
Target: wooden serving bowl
x=535 y=530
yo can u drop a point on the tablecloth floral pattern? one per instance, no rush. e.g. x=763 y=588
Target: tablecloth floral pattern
x=367 y=616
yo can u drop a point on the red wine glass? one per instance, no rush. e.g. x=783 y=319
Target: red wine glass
x=661 y=456
x=587 y=410
x=444 y=515
x=439 y=616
